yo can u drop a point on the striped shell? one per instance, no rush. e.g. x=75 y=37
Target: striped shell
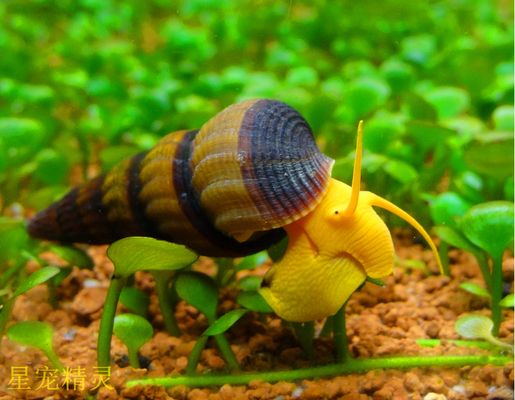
x=224 y=190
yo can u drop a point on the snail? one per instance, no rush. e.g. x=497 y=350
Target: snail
x=249 y=176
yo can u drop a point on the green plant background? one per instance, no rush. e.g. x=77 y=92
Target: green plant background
x=86 y=83
x=92 y=81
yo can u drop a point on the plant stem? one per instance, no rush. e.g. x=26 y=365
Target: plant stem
x=351 y=366
x=305 y=333
x=225 y=271
x=54 y=360
x=327 y=328
x=105 y=330
x=166 y=303
x=194 y=356
x=464 y=343
x=227 y=353
x=340 y=335
x=496 y=293
x=482 y=261
x=133 y=358
x=52 y=294
x=443 y=252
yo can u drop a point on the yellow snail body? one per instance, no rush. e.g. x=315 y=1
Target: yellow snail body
x=250 y=175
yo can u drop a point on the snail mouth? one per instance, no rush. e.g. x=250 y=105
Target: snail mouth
x=340 y=255
x=354 y=260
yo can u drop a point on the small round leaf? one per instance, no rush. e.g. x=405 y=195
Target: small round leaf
x=474 y=326
x=474 y=288
x=508 y=301
x=455 y=238
x=401 y=171
x=225 y=322
x=134 y=331
x=491 y=154
x=503 y=117
x=490 y=226
x=446 y=207
x=73 y=255
x=135 y=300
x=36 y=278
x=138 y=253
x=32 y=333
x=253 y=301
x=250 y=282
x=252 y=261
x=478 y=327
x=448 y=101
x=200 y=291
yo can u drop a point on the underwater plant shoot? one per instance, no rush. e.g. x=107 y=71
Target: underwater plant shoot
x=217 y=200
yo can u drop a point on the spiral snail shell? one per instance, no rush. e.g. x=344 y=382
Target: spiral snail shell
x=249 y=176
x=224 y=190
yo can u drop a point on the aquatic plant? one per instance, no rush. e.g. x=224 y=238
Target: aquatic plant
x=36 y=278
x=134 y=331
x=36 y=334
x=128 y=256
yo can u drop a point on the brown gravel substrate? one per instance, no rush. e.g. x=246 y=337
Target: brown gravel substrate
x=381 y=321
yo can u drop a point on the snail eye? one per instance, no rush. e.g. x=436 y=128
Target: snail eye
x=334 y=214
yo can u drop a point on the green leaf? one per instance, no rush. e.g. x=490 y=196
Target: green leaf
x=491 y=154
x=250 y=282
x=252 y=261
x=455 y=238
x=427 y=135
x=61 y=276
x=52 y=167
x=35 y=334
x=366 y=94
x=419 y=49
x=474 y=326
x=302 y=76
x=36 y=278
x=503 y=117
x=276 y=251
x=43 y=197
x=23 y=137
x=508 y=301
x=32 y=333
x=478 y=327
x=112 y=155
x=379 y=282
x=382 y=129
x=14 y=239
x=446 y=207
x=225 y=322
x=73 y=255
x=135 y=300
x=448 y=101
x=474 y=288
x=490 y=226
x=253 y=301
x=138 y=253
x=470 y=185
x=418 y=108
x=401 y=171
x=398 y=74
x=200 y=291
x=7 y=223
x=134 y=331
x=509 y=187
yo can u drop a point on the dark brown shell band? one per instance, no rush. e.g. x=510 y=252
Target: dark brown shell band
x=221 y=244
x=287 y=174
